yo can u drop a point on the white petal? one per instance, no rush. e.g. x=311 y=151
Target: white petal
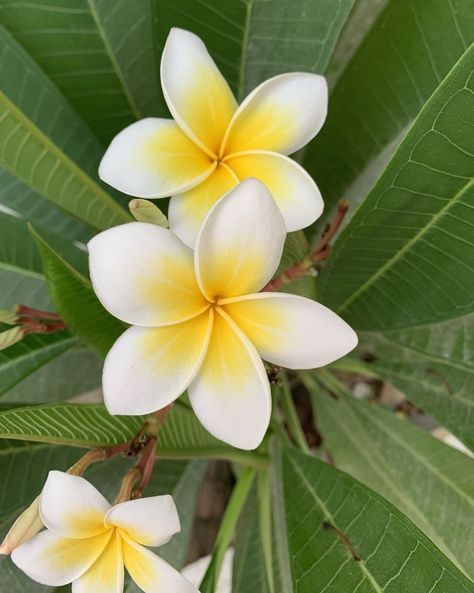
x=231 y=393
x=151 y=573
x=197 y=94
x=292 y=187
x=149 y=521
x=282 y=114
x=144 y=275
x=292 y=331
x=106 y=575
x=152 y=158
x=187 y=211
x=148 y=368
x=56 y=561
x=240 y=242
x=71 y=507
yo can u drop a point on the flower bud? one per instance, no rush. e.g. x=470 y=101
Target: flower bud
x=9 y=316
x=146 y=211
x=11 y=336
x=25 y=527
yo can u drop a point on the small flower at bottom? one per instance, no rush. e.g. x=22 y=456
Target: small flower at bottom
x=199 y=321
x=88 y=542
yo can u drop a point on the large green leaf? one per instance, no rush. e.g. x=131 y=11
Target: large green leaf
x=45 y=145
x=20 y=266
x=21 y=201
x=394 y=457
x=27 y=356
x=106 y=59
x=392 y=74
x=75 y=301
x=90 y=425
x=406 y=256
x=68 y=375
x=82 y=425
x=345 y=537
x=252 y=41
x=249 y=570
x=433 y=365
x=69 y=42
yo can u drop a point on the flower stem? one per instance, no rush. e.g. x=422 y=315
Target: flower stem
x=319 y=253
x=292 y=416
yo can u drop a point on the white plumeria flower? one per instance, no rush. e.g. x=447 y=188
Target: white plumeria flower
x=198 y=322
x=87 y=542
x=213 y=143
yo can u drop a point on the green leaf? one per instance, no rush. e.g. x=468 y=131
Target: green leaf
x=433 y=365
x=73 y=373
x=82 y=425
x=249 y=573
x=252 y=41
x=406 y=256
x=45 y=146
x=34 y=351
x=90 y=425
x=20 y=266
x=18 y=200
x=345 y=537
x=71 y=44
x=394 y=457
x=383 y=88
x=75 y=301
x=131 y=48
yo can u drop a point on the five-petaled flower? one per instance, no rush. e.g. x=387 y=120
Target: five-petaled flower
x=213 y=143
x=199 y=323
x=87 y=542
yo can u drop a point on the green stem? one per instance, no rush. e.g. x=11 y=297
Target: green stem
x=291 y=415
x=227 y=528
x=353 y=365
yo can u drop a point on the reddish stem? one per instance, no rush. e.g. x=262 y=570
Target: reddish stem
x=148 y=461
x=33 y=326
x=319 y=253
x=23 y=310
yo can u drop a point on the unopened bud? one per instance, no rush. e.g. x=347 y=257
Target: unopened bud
x=25 y=527
x=11 y=336
x=146 y=211
x=9 y=316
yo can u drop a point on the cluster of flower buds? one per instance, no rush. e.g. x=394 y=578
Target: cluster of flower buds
x=26 y=320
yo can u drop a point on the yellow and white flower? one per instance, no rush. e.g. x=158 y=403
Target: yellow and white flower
x=198 y=320
x=87 y=542
x=213 y=143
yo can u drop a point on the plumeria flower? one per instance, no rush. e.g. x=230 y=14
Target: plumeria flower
x=87 y=542
x=198 y=320
x=213 y=143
